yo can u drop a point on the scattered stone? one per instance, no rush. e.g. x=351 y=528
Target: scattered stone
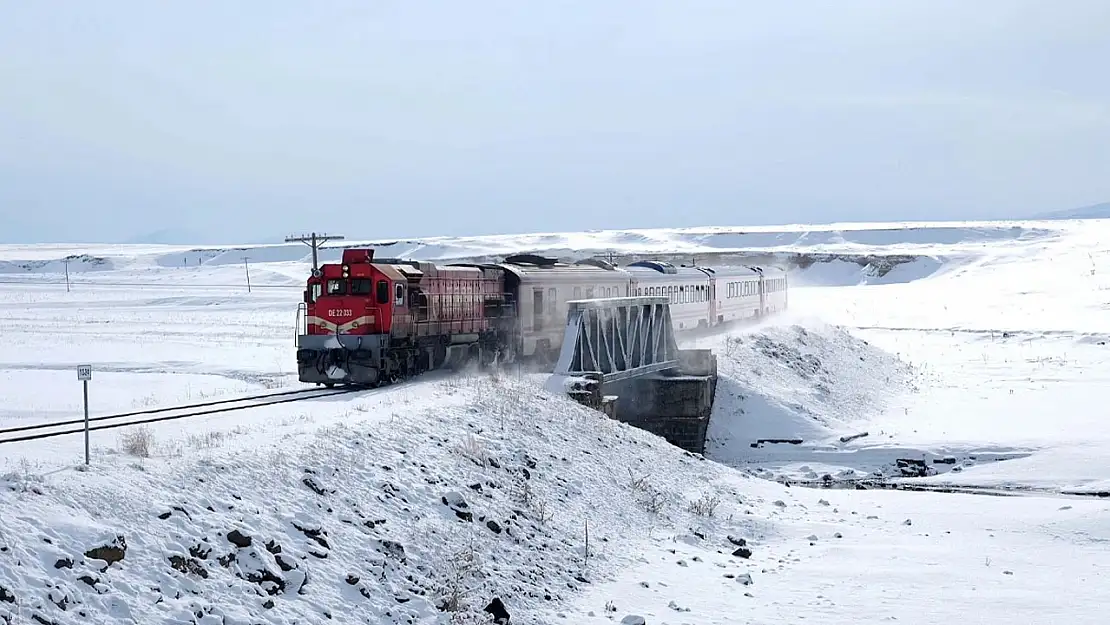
x=633 y=619
x=88 y=579
x=352 y=579
x=393 y=549
x=239 y=539
x=739 y=542
x=823 y=502
x=812 y=538
x=6 y=595
x=497 y=609
x=315 y=486
x=456 y=502
x=493 y=526
x=907 y=522
x=200 y=552
x=316 y=534
x=745 y=579
x=188 y=566
x=64 y=563
x=742 y=552
x=111 y=553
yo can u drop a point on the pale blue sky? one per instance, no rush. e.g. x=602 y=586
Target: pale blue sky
x=250 y=119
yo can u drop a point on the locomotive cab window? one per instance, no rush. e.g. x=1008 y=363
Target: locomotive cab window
x=361 y=286
x=337 y=287
x=383 y=292
x=399 y=295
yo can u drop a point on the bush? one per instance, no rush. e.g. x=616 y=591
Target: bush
x=138 y=442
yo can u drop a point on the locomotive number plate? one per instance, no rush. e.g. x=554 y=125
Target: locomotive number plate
x=340 y=312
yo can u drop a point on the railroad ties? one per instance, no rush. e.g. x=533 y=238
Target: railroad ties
x=619 y=355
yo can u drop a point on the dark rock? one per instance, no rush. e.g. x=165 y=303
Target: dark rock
x=739 y=542
x=456 y=502
x=64 y=563
x=284 y=563
x=497 y=609
x=111 y=553
x=272 y=584
x=316 y=534
x=315 y=486
x=189 y=566
x=268 y=604
x=743 y=552
x=393 y=549
x=6 y=595
x=352 y=579
x=493 y=526
x=273 y=547
x=239 y=539
x=164 y=515
x=200 y=552
x=90 y=580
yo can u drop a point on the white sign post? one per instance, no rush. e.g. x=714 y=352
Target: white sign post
x=84 y=374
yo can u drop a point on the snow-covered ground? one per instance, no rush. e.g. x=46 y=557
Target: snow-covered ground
x=985 y=346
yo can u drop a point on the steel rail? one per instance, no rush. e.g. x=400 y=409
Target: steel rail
x=38 y=426
x=191 y=413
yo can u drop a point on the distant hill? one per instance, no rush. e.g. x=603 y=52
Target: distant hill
x=1094 y=211
x=179 y=236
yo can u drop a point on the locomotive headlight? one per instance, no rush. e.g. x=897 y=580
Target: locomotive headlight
x=346 y=271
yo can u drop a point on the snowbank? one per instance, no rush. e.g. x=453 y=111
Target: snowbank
x=392 y=518
x=807 y=381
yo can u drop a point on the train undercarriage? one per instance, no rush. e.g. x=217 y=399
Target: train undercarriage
x=377 y=360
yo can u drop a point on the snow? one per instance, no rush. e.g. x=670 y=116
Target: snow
x=980 y=349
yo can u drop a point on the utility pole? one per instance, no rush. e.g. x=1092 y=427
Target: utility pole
x=247 y=267
x=314 y=240
x=67 y=275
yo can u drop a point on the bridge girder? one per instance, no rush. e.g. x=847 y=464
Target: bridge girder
x=617 y=338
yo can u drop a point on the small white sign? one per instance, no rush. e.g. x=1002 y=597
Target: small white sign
x=84 y=373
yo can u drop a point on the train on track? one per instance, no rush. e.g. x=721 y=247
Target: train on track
x=368 y=321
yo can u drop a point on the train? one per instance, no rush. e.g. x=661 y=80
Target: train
x=369 y=322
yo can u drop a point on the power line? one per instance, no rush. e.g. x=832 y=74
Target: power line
x=314 y=240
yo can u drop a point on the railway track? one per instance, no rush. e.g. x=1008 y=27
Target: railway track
x=962 y=489
x=154 y=415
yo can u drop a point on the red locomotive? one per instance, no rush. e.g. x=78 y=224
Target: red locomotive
x=371 y=322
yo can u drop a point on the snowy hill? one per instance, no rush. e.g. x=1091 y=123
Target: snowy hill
x=976 y=351
x=1094 y=211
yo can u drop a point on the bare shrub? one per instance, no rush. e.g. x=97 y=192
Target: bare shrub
x=138 y=442
x=706 y=505
x=638 y=483
x=473 y=449
x=206 y=440
x=654 y=500
x=463 y=566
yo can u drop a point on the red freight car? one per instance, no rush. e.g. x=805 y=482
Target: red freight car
x=371 y=322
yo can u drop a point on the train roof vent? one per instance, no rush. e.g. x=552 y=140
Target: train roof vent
x=596 y=262
x=531 y=259
x=658 y=265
